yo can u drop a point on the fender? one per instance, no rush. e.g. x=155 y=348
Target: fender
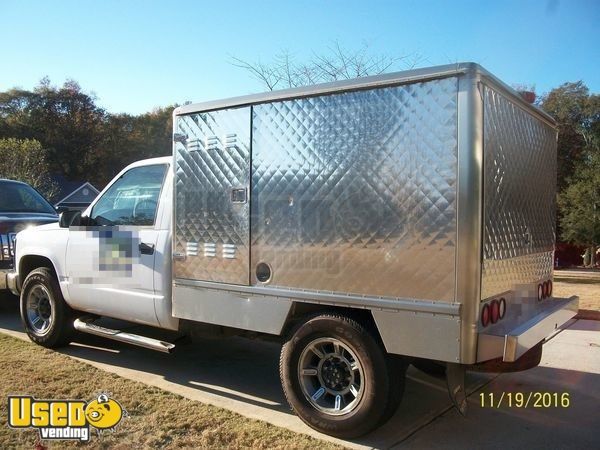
x=46 y=241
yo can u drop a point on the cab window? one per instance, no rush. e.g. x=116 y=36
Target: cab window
x=132 y=199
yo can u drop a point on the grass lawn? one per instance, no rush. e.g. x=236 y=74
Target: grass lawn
x=584 y=284
x=158 y=419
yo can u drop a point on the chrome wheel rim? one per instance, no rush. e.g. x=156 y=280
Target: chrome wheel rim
x=39 y=310
x=331 y=376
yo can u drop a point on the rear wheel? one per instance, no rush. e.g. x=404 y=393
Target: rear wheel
x=396 y=366
x=336 y=376
x=46 y=317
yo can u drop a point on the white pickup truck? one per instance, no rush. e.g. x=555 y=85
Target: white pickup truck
x=116 y=264
x=369 y=223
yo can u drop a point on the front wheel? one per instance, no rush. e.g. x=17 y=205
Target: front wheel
x=46 y=317
x=336 y=377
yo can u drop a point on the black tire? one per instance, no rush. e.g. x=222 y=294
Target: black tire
x=397 y=366
x=375 y=401
x=41 y=285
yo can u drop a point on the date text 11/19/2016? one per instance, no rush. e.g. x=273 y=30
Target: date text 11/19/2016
x=524 y=400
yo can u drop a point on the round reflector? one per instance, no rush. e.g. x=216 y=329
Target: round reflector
x=540 y=292
x=502 y=308
x=549 y=288
x=485 y=315
x=494 y=311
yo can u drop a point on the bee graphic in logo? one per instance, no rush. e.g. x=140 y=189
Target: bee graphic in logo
x=104 y=412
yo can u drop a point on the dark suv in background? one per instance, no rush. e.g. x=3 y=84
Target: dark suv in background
x=21 y=206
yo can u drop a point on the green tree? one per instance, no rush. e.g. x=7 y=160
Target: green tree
x=580 y=205
x=26 y=160
x=154 y=133
x=65 y=120
x=128 y=138
x=82 y=141
x=577 y=114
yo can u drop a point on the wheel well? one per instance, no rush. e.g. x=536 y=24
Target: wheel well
x=301 y=311
x=31 y=262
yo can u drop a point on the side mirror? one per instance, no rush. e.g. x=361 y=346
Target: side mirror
x=69 y=218
x=62 y=209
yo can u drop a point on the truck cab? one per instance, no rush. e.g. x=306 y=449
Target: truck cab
x=114 y=258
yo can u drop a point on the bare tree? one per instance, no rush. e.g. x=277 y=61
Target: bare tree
x=336 y=63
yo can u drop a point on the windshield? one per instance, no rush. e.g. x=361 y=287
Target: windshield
x=17 y=197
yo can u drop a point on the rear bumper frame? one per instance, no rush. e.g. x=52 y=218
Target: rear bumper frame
x=515 y=343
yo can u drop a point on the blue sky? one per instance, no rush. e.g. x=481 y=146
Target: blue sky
x=136 y=55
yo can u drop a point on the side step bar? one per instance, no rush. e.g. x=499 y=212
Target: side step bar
x=121 y=336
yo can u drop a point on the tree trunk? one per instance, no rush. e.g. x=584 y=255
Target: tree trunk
x=587 y=257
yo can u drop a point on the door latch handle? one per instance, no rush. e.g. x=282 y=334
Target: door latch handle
x=239 y=195
x=146 y=249
x=179 y=256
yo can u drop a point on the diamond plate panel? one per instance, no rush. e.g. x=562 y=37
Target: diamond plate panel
x=356 y=192
x=519 y=196
x=212 y=158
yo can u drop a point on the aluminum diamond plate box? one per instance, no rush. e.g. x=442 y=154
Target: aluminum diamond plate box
x=212 y=159
x=356 y=192
x=519 y=196
x=434 y=185
x=415 y=195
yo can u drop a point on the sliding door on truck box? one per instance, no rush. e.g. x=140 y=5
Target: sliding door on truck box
x=212 y=181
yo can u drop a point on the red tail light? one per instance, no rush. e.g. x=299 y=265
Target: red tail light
x=485 y=315
x=494 y=311
x=502 y=308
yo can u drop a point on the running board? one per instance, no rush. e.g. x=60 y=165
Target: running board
x=121 y=336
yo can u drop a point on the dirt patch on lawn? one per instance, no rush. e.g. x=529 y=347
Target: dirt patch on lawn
x=588 y=290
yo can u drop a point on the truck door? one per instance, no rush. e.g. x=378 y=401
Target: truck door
x=110 y=264
x=212 y=181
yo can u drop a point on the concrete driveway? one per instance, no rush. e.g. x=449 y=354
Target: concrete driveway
x=242 y=376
